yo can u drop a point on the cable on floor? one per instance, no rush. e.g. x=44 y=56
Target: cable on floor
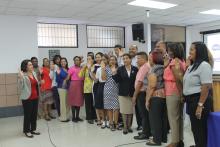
x=48 y=130
x=129 y=144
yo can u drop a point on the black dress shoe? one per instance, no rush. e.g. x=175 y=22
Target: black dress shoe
x=90 y=121
x=28 y=135
x=140 y=137
x=164 y=140
x=79 y=119
x=35 y=133
x=125 y=132
x=180 y=144
x=74 y=120
x=139 y=128
x=52 y=117
x=139 y=133
x=130 y=130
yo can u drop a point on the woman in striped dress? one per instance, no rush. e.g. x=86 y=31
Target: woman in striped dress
x=111 y=102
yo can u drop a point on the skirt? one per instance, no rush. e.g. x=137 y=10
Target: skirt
x=99 y=96
x=126 y=106
x=46 y=97
x=75 y=93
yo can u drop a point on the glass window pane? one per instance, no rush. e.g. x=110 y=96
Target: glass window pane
x=57 y=35
x=102 y=36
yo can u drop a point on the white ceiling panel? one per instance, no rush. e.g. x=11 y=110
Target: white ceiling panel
x=115 y=11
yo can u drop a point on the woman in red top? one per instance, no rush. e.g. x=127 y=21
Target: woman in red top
x=46 y=92
x=29 y=96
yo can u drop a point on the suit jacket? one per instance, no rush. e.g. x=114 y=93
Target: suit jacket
x=126 y=83
x=25 y=86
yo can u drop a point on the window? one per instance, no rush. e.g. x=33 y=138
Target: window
x=105 y=37
x=212 y=42
x=57 y=35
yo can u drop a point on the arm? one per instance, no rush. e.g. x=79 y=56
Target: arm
x=152 y=82
x=51 y=74
x=206 y=84
x=137 y=90
x=21 y=78
x=82 y=72
x=117 y=76
x=178 y=75
x=104 y=76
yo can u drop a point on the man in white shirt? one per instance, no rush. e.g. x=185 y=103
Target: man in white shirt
x=119 y=53
x=133 y=49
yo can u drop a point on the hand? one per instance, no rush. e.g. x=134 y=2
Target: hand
x=188 y=62
x=102 y=64
x=88 y=65
x=199 y=112
x=177 y=63
x=64 y=83
x=41 y=70
x=42 y=81
x=147 y=104
x=20 y=73
x=110 y=53
x=182 y=99
x=121 y=52
x=52 y=67
x=82 y=60
x=134 y=101
x=58 y=71
x=114 y=70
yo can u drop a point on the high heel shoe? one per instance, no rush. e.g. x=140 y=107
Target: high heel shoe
x=35 y=133
x=28 y=135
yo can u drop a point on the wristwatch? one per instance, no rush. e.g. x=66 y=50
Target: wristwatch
x=200 y=104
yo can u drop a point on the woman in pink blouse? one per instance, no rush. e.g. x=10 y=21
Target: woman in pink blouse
x=75 y=91
x=173 y=75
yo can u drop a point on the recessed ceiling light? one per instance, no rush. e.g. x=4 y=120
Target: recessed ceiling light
x=152 y=4
x=212 y=12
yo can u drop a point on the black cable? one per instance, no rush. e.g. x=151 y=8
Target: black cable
x=129 y=143
x=48 y=130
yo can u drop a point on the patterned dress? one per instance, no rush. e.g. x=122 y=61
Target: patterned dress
x=110 y=92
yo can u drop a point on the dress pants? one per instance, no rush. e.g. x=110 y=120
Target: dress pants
x=64 y=107
x=158 y=119
x=56 y=99
x=144 y=113
x=30 y=115
x=198 y=126
x=90 y=110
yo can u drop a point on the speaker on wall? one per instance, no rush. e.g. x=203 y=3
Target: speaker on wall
x=138 y=32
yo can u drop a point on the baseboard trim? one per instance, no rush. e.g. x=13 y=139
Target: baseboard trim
x=11 y=111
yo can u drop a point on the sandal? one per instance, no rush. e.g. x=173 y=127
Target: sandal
x=52 y=117
x=47 y=118
x=118 y=127
x=112 y=127
x=99 y=123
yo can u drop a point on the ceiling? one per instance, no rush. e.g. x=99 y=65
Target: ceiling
x=116 y=11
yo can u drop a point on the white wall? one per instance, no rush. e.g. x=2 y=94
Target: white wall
x=18 y=37
x=193 y=32
x=82 y=49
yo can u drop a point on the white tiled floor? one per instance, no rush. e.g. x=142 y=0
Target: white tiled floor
x=68 y=135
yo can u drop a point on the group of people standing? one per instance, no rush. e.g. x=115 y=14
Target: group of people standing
x=156 y=85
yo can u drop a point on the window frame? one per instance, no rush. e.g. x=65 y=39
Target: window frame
x=77 y=36
x=123 y=45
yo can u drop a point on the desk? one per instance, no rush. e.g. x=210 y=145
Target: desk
x=214 y=129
